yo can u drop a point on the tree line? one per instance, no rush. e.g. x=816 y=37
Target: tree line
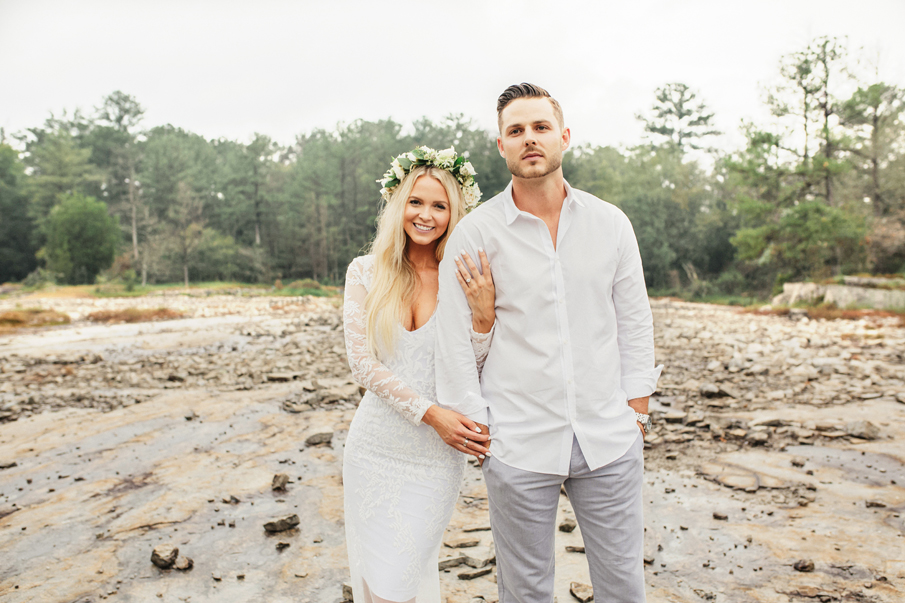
x=817 y=192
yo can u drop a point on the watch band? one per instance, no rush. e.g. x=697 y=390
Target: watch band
x=644 y=420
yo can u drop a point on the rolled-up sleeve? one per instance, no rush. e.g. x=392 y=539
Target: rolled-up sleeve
x=634 y=321
x=458 y=382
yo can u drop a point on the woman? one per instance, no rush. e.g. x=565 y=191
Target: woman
x=403 y=460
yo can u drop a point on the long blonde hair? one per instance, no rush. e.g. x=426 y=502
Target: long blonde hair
x=394 y=281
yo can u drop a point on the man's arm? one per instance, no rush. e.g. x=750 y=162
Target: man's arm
x=458 y=385
x=635 y=325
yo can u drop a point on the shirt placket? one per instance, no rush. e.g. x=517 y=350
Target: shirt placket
x=562 y=322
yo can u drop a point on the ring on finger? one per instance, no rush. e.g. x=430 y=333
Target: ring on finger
x=468 y=280
x=466 y=442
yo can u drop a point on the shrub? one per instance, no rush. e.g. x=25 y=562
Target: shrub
x=731 y=282
x=305 y=283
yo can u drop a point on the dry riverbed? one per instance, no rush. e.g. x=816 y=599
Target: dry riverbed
x=775 y=471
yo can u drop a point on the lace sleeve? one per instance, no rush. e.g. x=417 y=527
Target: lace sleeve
x=480 y=343
x=367 y=370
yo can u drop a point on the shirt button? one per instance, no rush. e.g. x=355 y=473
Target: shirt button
x=570 y=382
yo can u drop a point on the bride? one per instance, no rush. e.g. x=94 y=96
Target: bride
x=403 y=460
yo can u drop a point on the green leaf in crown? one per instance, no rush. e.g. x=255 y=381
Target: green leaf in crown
x=447 y=159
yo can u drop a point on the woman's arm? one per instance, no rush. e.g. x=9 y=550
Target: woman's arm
x=453 y=428
x=366 y=369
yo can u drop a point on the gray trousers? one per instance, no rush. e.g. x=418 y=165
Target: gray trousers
x=608 y=506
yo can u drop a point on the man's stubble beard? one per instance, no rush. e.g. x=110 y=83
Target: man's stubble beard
x=515 y=169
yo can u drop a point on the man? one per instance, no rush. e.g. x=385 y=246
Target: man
x=566 y=385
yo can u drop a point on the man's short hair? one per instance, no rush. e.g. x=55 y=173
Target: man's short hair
x=525 y=90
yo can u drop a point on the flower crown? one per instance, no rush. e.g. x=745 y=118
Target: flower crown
x=447 y=159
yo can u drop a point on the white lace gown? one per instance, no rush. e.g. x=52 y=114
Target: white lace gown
x=401 y=481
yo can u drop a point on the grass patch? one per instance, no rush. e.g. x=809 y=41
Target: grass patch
x=134 y=315
x=721 y=299
x=831 y=312
x=319 y=292
x=31 y=318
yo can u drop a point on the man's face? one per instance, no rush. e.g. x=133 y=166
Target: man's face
x=531 y=140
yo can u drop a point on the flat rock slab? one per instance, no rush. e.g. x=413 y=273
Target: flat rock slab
x=107 y=487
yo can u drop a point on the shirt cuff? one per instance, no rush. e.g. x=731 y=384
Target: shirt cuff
x=474 y=407
x=479 y=417
x=640 y=385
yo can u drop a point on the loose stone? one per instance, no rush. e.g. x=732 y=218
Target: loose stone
x=164 y=555
x=283 y=524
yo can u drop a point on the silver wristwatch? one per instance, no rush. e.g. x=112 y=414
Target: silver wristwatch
x=644 y=420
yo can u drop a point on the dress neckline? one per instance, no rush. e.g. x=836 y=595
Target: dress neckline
x=427 y=322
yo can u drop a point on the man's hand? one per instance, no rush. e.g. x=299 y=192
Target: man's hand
x=484 y=429
x=640 y=405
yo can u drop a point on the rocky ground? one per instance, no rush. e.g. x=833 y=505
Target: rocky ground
x=774 y=473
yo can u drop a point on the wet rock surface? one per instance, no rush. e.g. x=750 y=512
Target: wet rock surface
x=775 y=441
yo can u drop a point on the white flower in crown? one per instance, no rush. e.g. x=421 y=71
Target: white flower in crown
x=446 y=157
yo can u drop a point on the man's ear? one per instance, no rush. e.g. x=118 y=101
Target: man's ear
x=499 y=146
x=566 y=138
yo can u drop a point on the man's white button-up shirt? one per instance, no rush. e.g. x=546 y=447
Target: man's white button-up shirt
x=573 y=339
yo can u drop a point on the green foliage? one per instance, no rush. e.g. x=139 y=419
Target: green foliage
x=59 y=167
x=82 y=239
x=679 y=118
x=41 y=277
x=817 y=192
x=17 y=252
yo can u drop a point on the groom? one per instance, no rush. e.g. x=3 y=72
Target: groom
x=565 y=387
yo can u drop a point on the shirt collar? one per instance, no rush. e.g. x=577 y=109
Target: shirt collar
x=512 y=212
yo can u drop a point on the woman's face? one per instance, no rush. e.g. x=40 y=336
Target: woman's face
x=427 y=212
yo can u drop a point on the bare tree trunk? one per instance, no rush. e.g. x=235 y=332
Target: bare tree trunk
x=134 y=213
x=185 y=273
x=878 y=201
x=144 y=271
x=257 y=202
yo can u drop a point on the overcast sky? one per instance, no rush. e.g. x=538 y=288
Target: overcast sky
x=229 y=69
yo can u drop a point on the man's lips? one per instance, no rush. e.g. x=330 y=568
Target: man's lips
x=532 y=155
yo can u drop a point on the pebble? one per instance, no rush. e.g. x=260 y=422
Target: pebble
x=474 y=573
x=282 y=524
x=164 y=555
x=582 y=592
x=279 y=481
x=804 y=565
x=567 y=525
